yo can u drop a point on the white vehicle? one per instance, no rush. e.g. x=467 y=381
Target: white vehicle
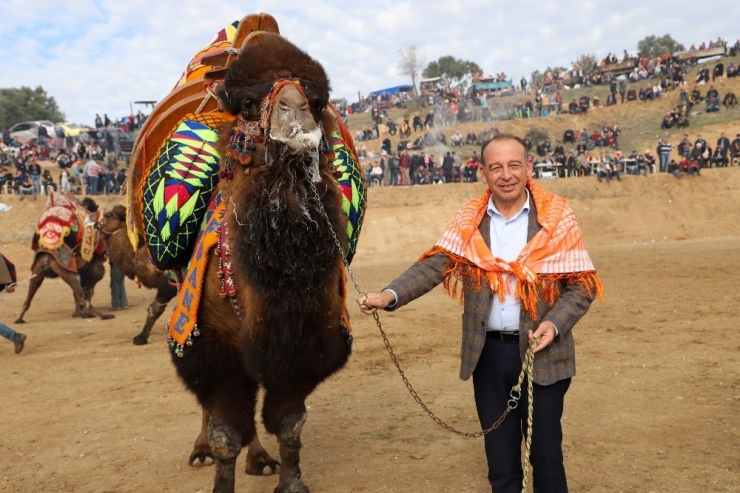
x=28 y=132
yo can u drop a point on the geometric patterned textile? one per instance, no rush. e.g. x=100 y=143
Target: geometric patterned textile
x=181 y=179
x=354 y=191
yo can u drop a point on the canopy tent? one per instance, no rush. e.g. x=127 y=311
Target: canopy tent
x=395 y=89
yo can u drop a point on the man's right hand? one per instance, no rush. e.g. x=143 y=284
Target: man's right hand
x=370 y=302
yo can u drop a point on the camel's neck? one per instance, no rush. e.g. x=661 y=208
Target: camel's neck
x=283 y=233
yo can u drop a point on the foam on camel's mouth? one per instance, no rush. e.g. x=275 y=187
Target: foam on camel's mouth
x=299 y=142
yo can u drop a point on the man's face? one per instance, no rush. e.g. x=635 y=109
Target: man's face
x=506 y=171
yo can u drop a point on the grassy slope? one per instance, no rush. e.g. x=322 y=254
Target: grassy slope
x=639 y=122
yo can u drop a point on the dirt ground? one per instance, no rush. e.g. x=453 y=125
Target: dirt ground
x=654 y=407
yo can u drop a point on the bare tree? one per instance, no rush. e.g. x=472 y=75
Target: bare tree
x=410 y=63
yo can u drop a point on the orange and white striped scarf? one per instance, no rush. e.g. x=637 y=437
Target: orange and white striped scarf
x=556 y=253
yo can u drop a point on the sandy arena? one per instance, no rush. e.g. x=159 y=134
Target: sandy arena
x=654 y=407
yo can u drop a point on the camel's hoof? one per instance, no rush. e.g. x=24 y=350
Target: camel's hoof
x=140 y=340
x=87 y=315
x=201 y=458
x=293 y=487
x=20 y=321
x=263 y=467
x=107 y=316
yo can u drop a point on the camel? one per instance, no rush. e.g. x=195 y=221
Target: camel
x=262 y=303
x=67 y=245
x=135 y=265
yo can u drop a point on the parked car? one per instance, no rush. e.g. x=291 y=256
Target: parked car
x=72 y=129
x=28 y=132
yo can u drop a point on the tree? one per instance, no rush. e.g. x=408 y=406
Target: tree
x=26 y=104
x=539 y=77
x=453 y=70
x=653 y=46
x=410 y=62
x=585 y=62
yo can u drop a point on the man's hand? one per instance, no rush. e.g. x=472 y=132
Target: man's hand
x=370 y=303
x=10 y=288
x=545 y=332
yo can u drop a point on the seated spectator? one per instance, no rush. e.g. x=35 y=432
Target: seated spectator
x=695 y=96
x=730 y=99
x=712 y=104
x=441 y=138
x=429 y=140
x=418 y=143
x=702 y=76
x=569 y=136
x=456 y=140
x=719 y=158
x=611 y=99
x=668 y=121
x=47 y=182
x=405 y=130
x=718 y=71
x=597 y=139
x=735 y=148
x=731 y=71
x=392 y=127
x=376 y=174
x=416 y=122
x=583 y=104
x=471 y=139
x=23 y=185
x=631 y=94
x=573 y=108
x=712 y=92
x=674 y=169
x=649 y=162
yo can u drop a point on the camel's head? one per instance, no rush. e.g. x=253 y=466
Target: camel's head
x=113 y=220
x=279 y=95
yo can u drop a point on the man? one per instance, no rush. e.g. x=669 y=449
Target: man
x=664 y=152
x=7 y=284
x=497 y=245
x=92 y=171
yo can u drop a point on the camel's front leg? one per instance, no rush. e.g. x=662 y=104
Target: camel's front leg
x=284 y=415
x=226 y=443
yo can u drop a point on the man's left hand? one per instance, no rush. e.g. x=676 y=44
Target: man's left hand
x=545 y=332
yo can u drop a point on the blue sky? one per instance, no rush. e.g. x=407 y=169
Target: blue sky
x=96 y=56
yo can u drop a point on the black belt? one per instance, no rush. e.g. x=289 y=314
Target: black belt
x=503 y=336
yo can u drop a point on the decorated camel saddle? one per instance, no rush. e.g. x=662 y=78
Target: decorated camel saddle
x=67 y=231
x=180 y=167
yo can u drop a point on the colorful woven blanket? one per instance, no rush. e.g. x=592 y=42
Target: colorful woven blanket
x=554 y=254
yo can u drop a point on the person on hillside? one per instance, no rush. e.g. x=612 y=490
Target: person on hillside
x=719 y=157
x=664 y=153
x=8 y=284
x=718 y=72
x=506 y=260
x=730 y=99
x=732 y=71
x=622 y=89
x=735 y=148
x=631 y=94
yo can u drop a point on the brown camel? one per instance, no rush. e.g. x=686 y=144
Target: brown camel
x=66 y=260
x=285 y=330
x=136 y=266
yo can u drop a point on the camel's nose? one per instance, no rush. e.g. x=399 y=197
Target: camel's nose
x=291 y=120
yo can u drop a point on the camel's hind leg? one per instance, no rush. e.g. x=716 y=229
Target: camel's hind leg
x=33 y=285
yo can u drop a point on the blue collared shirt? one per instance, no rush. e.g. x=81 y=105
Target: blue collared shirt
x=508 y=238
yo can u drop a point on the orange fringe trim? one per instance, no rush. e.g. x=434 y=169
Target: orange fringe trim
x=473 y=277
